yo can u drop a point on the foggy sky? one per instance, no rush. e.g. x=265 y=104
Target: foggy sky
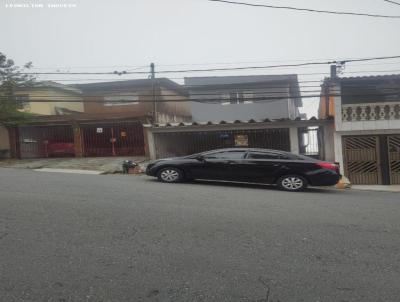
x=101 y=35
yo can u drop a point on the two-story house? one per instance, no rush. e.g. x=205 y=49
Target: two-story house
x=230 y=98
x=49 y=98
x=95 y=119
x=137 y=98
x=367 y=126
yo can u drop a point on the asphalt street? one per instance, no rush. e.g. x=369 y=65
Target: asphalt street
x=69 y=237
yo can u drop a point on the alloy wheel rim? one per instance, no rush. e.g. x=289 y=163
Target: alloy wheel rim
x=292 y=183
x=169 y=175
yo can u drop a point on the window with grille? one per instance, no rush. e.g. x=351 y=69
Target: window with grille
x=237 y=97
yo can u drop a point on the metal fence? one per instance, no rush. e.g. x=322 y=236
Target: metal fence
x=119 y=139
x=45 y=141
x=185 y=143
x=310 y=139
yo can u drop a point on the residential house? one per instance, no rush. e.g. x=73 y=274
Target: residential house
x=231 y=98
x=41 y=99
x=108 y=122
x=138 y=98
x=367 y=126
x=49 y=98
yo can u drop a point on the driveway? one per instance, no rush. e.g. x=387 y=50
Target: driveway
x=103 y=164
x=68 y=237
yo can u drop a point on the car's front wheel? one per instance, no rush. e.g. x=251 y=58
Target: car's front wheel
x=170 y=175
x=293 y=183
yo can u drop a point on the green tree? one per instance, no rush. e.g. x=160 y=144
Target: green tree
x=12 y=77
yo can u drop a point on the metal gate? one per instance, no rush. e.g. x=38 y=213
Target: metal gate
x=184 y=143
x=45 y=141
x=113 y=140
x=310 y=142
x=361 y=159
x=394 y=158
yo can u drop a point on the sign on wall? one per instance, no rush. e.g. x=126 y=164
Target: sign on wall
x=241 y=140
x=99 y=130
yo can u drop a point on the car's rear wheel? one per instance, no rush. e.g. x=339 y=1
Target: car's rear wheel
x=170 y=175
x=292 y=183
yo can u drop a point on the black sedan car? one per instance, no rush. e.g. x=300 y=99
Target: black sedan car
x=288 y=171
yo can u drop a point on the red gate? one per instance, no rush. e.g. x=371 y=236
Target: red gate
x=45 y=141
x=113 y=140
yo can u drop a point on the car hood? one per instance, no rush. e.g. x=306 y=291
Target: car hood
x=164 y=159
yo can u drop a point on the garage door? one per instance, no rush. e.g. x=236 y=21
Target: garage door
x=361 y=159
x=394 y=158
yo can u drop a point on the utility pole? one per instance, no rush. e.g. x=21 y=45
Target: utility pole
x=333 y=71
x=327 y=89
x=153 y=85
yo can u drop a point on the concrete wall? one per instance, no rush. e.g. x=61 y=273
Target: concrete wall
x=328 y=143
x=4 y=142
x=272 y=109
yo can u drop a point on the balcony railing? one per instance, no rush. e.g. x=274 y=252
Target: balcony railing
x=370 y=112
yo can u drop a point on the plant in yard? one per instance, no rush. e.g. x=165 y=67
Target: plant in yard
x=12 y=77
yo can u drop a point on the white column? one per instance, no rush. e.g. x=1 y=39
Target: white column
x=150 y=142
x=336 y=90
x=294 y=140
x=329 y=145
x=339 y=151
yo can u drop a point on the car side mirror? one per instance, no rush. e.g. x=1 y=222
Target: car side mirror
x=200 y=158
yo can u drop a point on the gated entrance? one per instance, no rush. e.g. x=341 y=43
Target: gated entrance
x=372 y=160
x=394 y=158
x=120 y=139
x=45 y=141
x=190 y=142
x=310 y=141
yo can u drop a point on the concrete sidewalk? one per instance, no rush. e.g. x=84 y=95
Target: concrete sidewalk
x=379 y=188
x=72 y=171
x=106 y=165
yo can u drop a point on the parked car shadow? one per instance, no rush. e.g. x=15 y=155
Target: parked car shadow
x=202 y=182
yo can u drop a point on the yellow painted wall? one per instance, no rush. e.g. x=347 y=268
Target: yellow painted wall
x=323 y=112
x=54 y=95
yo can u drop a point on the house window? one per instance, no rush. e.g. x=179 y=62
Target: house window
x=237 y=97
x=121 y=100
x=248 y=97
x=23 y=102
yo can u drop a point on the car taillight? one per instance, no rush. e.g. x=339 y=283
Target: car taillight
x=329 y=166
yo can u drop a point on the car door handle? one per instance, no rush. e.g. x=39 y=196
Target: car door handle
x=231 y=162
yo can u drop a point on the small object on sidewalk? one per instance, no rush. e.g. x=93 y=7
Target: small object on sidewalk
x=128 y=166
x=137 y=170
x=344 y=183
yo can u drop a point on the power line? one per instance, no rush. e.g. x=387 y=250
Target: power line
x=58 y=69
x=393 y=2
x=218 y=100
x=307 y=9
x=80 y=98
x=120 y=73
x=209 y=92
x=93 y=66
